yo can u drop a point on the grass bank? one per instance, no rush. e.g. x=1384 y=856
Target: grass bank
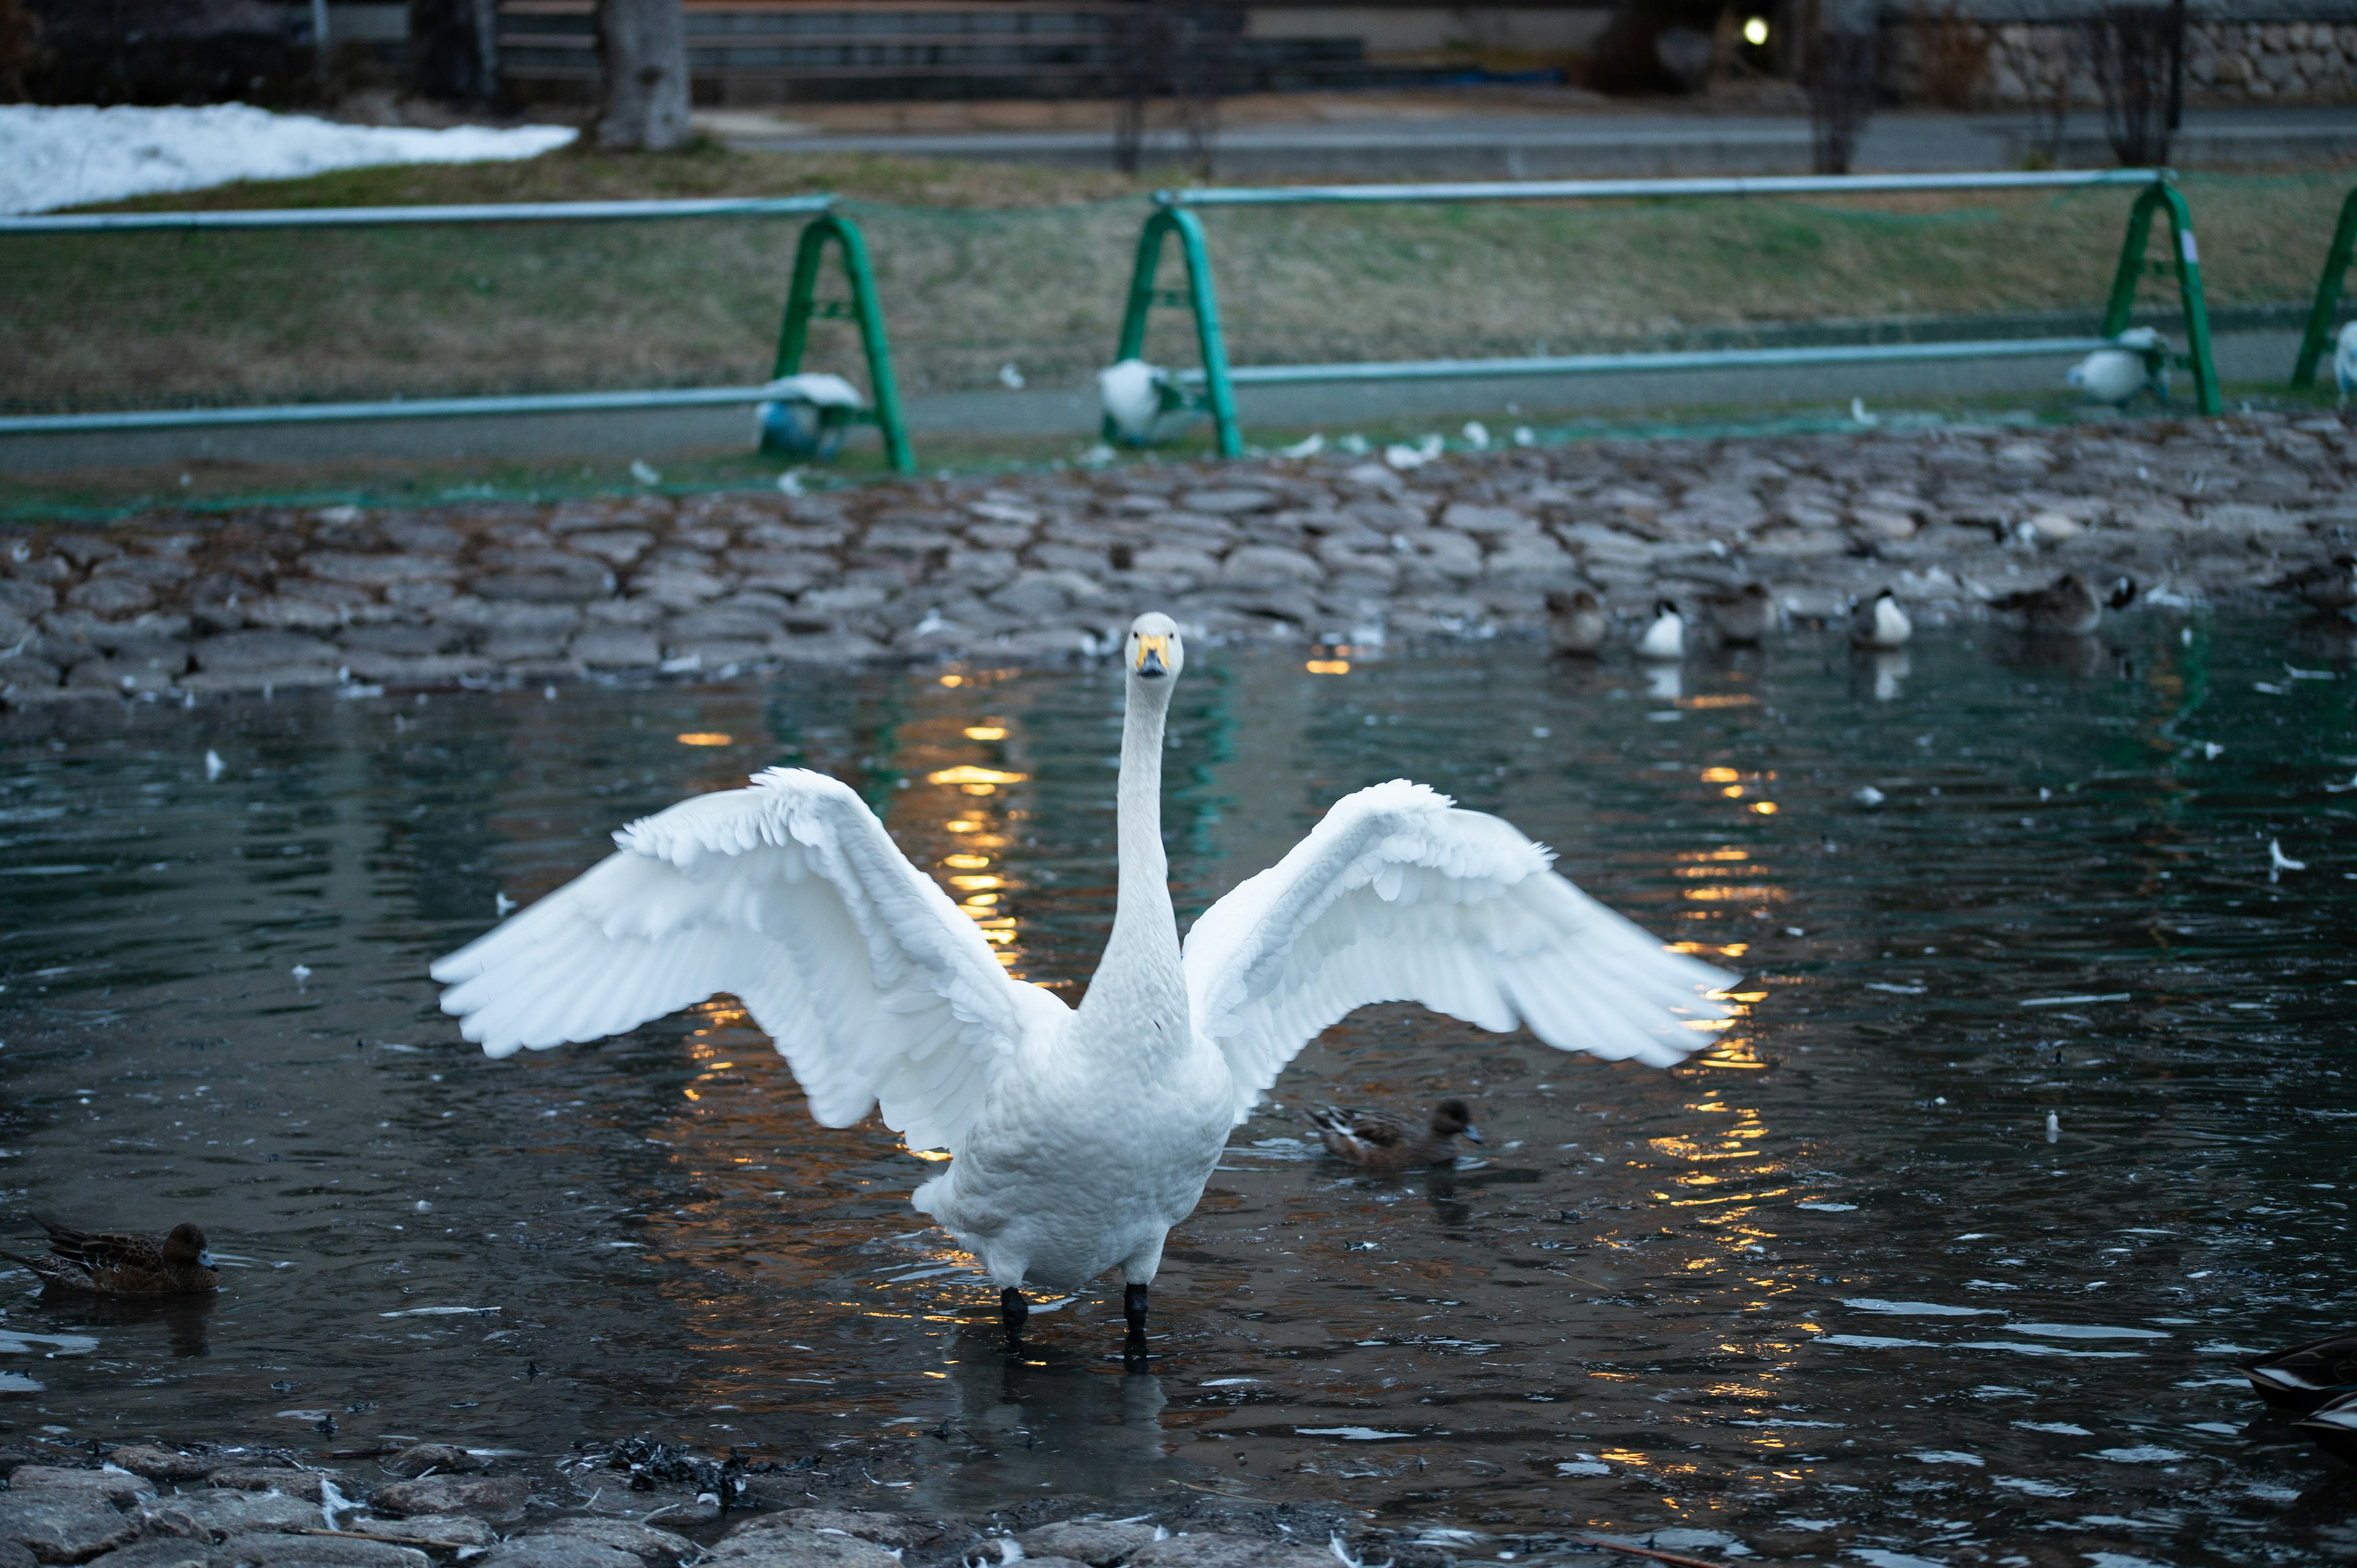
x=987 y=266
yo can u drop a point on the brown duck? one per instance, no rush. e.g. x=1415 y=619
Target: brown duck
x=1381 y=1141
x=108 y=1264
x=2068 y=606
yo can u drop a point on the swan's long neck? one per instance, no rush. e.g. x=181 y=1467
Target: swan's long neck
x=1140 y=979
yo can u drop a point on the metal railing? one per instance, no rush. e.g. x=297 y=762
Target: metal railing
x=1212 y=387
x=827 y=226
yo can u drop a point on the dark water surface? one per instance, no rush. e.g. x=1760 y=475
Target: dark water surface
x=1832 y=1289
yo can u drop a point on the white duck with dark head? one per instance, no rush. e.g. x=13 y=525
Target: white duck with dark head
x=1078 y=1136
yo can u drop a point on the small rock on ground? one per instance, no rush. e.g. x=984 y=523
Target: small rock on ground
x=788 y=1548
x=416 y=1460
x=1098 y=1542
x=435 y=1532
x=1226 y=1552
x=655 y=1548
x=216 y=1515
x=163 y=1464
x=64 y=1526
x=286 y=1550
x=302 y=1484
x=119 y=1488
x=159 y=1551
x=493 y=1495
x=554 y=1552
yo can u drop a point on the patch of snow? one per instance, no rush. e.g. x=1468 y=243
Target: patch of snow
x=74 y=155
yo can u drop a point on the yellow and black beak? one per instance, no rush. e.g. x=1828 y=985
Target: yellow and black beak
x=1153 y=657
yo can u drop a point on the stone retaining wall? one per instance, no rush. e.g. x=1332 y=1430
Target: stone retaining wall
x=2226 y=62
x=1052 y=565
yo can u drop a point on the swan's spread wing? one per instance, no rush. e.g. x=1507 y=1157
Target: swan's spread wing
x=1398 y=897
x=791 y=895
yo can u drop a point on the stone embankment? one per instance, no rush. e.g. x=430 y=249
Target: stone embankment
x=1036 y=568
x=425 y=1505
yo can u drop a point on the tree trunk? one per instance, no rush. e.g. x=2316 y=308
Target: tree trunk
x=643 y=44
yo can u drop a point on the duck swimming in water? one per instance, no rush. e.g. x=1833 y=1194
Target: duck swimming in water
x=102 y=1264
x=1576 y=623
x=2328 y=585
x=2068 y=606
x=1380 y=1141
x=1880 y=623
x=1078 y=1136
x=1664 y=637
x=1744 y=615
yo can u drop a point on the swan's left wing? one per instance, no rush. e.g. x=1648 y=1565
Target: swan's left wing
x=1398 y=896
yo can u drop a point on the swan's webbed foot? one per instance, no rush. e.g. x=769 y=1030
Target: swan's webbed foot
x=1012 y=1310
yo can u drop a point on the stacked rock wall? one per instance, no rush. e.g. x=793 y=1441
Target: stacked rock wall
x=2226 y=62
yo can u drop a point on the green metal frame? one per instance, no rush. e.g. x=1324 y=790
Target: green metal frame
x=2186 y=263
x=2319 y=336
x=1220 y=395
x=1217 y=394
x=803 y=303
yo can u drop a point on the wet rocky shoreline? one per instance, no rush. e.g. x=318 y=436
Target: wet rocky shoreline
x=634 y=1505
x=1400 y=547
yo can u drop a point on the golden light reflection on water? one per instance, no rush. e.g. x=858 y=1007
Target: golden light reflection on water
x=738 y=1138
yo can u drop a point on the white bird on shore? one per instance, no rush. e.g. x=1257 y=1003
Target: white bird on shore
x=793 y=419
x=1131 y=393
x=1880 y=623
x=1078 y=1137
x=2344 y=360
x=1665 y=637
x=2116 y=374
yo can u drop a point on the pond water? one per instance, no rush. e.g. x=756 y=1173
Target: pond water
x=2039 y=1113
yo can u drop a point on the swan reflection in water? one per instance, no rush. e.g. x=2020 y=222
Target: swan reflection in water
x=1048 y=1420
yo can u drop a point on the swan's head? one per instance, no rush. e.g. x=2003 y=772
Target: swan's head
x=1156 y=652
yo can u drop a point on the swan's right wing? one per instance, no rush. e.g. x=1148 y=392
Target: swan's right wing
x=791 y=896
x=1397 y=895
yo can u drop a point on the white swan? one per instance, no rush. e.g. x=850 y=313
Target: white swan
x=1079 y=1137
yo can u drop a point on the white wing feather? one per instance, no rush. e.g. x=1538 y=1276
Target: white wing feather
x=791 y=895
x=1398 y=896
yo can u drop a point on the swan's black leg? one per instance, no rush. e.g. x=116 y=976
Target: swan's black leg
x=1133 y=1307
x=1012 y=1310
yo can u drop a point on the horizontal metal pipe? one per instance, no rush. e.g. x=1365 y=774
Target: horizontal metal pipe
x=383 y=217
x=1746 y=185
x=1697 y=360
x=399 y=408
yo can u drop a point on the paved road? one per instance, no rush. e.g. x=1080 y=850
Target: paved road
x=1533 y=145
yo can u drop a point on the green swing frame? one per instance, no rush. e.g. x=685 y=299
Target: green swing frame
x=2318 y=338
x=1212 y=389
x=803 y=305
